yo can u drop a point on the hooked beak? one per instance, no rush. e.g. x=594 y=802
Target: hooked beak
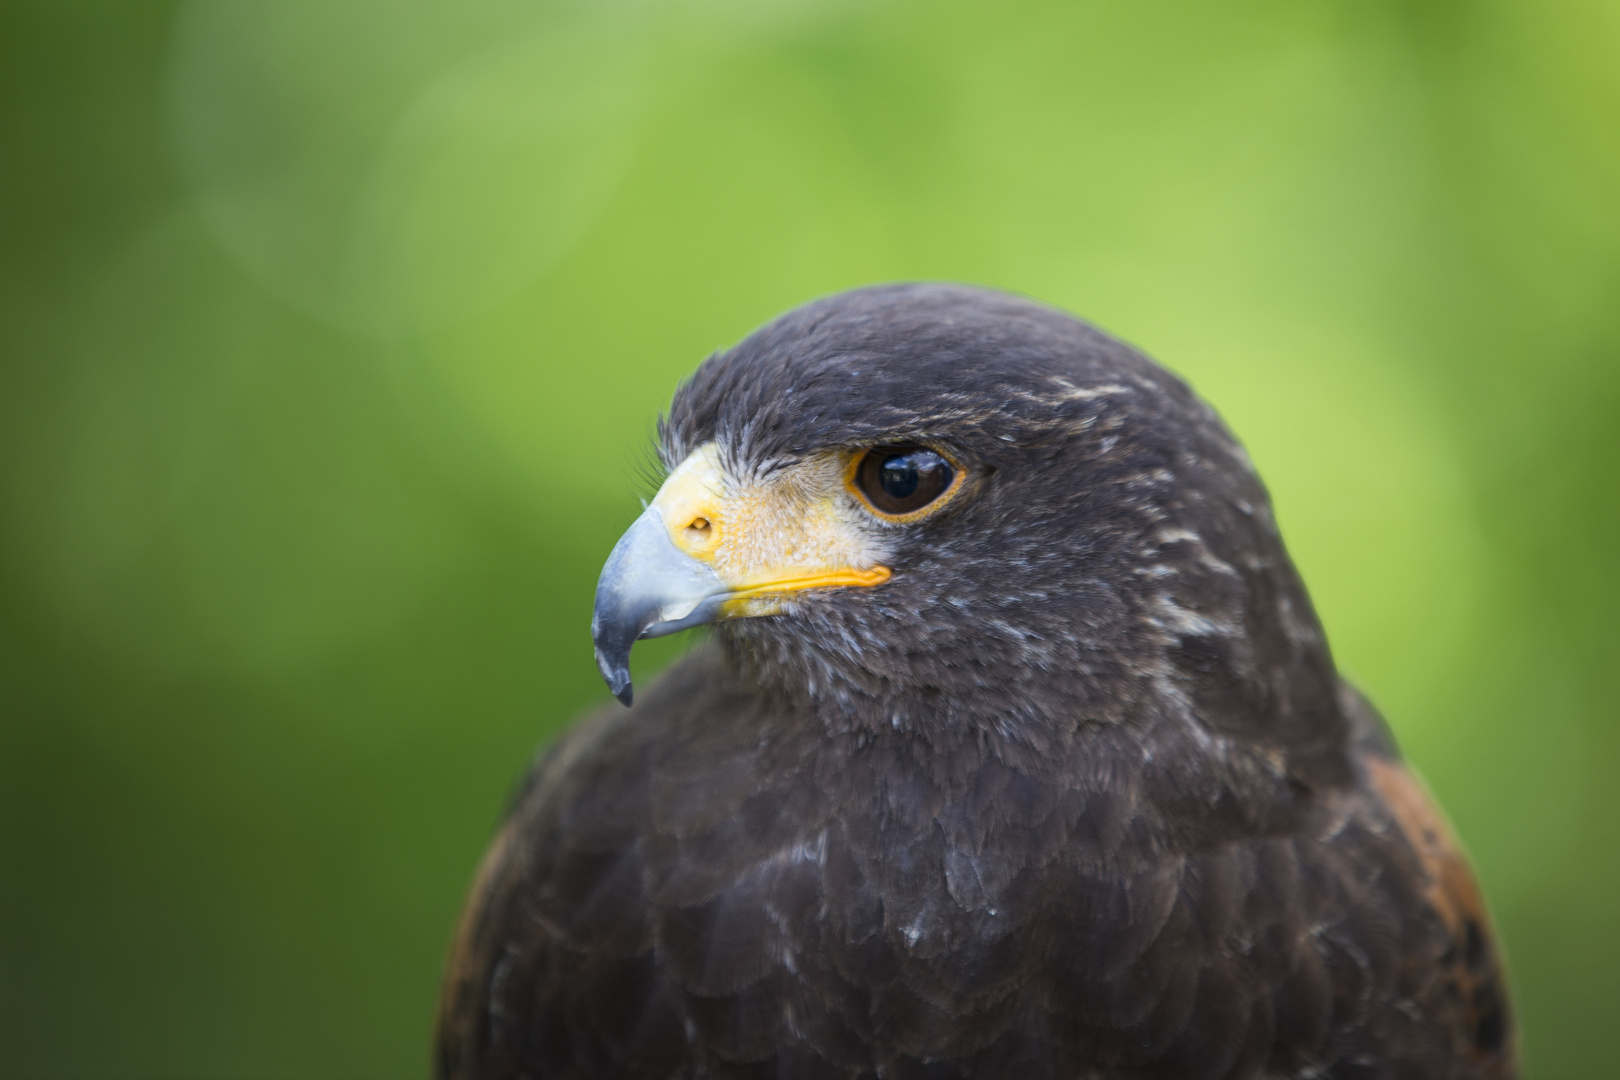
x=648 y=588
x=705 y=550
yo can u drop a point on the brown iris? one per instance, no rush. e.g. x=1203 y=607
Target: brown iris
x=903 y=479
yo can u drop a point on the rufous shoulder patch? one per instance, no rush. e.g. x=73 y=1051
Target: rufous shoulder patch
x=1452 y=890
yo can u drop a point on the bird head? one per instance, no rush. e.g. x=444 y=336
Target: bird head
x=930 y=504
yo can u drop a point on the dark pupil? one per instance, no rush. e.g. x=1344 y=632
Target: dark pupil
x=900 y=479
x=900 y=476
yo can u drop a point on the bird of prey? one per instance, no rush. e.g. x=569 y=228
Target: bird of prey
x=1015 y=750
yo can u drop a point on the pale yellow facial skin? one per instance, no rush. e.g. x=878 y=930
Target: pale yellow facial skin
x=798 y=529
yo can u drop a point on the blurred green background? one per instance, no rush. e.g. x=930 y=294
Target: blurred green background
x=331 y=337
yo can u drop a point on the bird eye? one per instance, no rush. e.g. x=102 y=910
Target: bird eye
x=903 y=479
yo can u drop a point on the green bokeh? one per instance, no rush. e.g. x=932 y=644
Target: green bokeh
x=331 y=336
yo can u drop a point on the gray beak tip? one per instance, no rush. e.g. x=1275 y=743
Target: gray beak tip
x=616 y=673
x=645 y=576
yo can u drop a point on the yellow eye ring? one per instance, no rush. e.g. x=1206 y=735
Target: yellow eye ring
x=902 y=482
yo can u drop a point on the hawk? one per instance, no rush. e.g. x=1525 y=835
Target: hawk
x=1015 y=750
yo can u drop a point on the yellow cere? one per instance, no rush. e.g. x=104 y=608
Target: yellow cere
x=797 y=529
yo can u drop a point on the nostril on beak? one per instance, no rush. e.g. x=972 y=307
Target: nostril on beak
x=698 y=525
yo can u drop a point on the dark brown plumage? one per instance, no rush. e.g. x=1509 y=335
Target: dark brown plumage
x=1075 y=793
